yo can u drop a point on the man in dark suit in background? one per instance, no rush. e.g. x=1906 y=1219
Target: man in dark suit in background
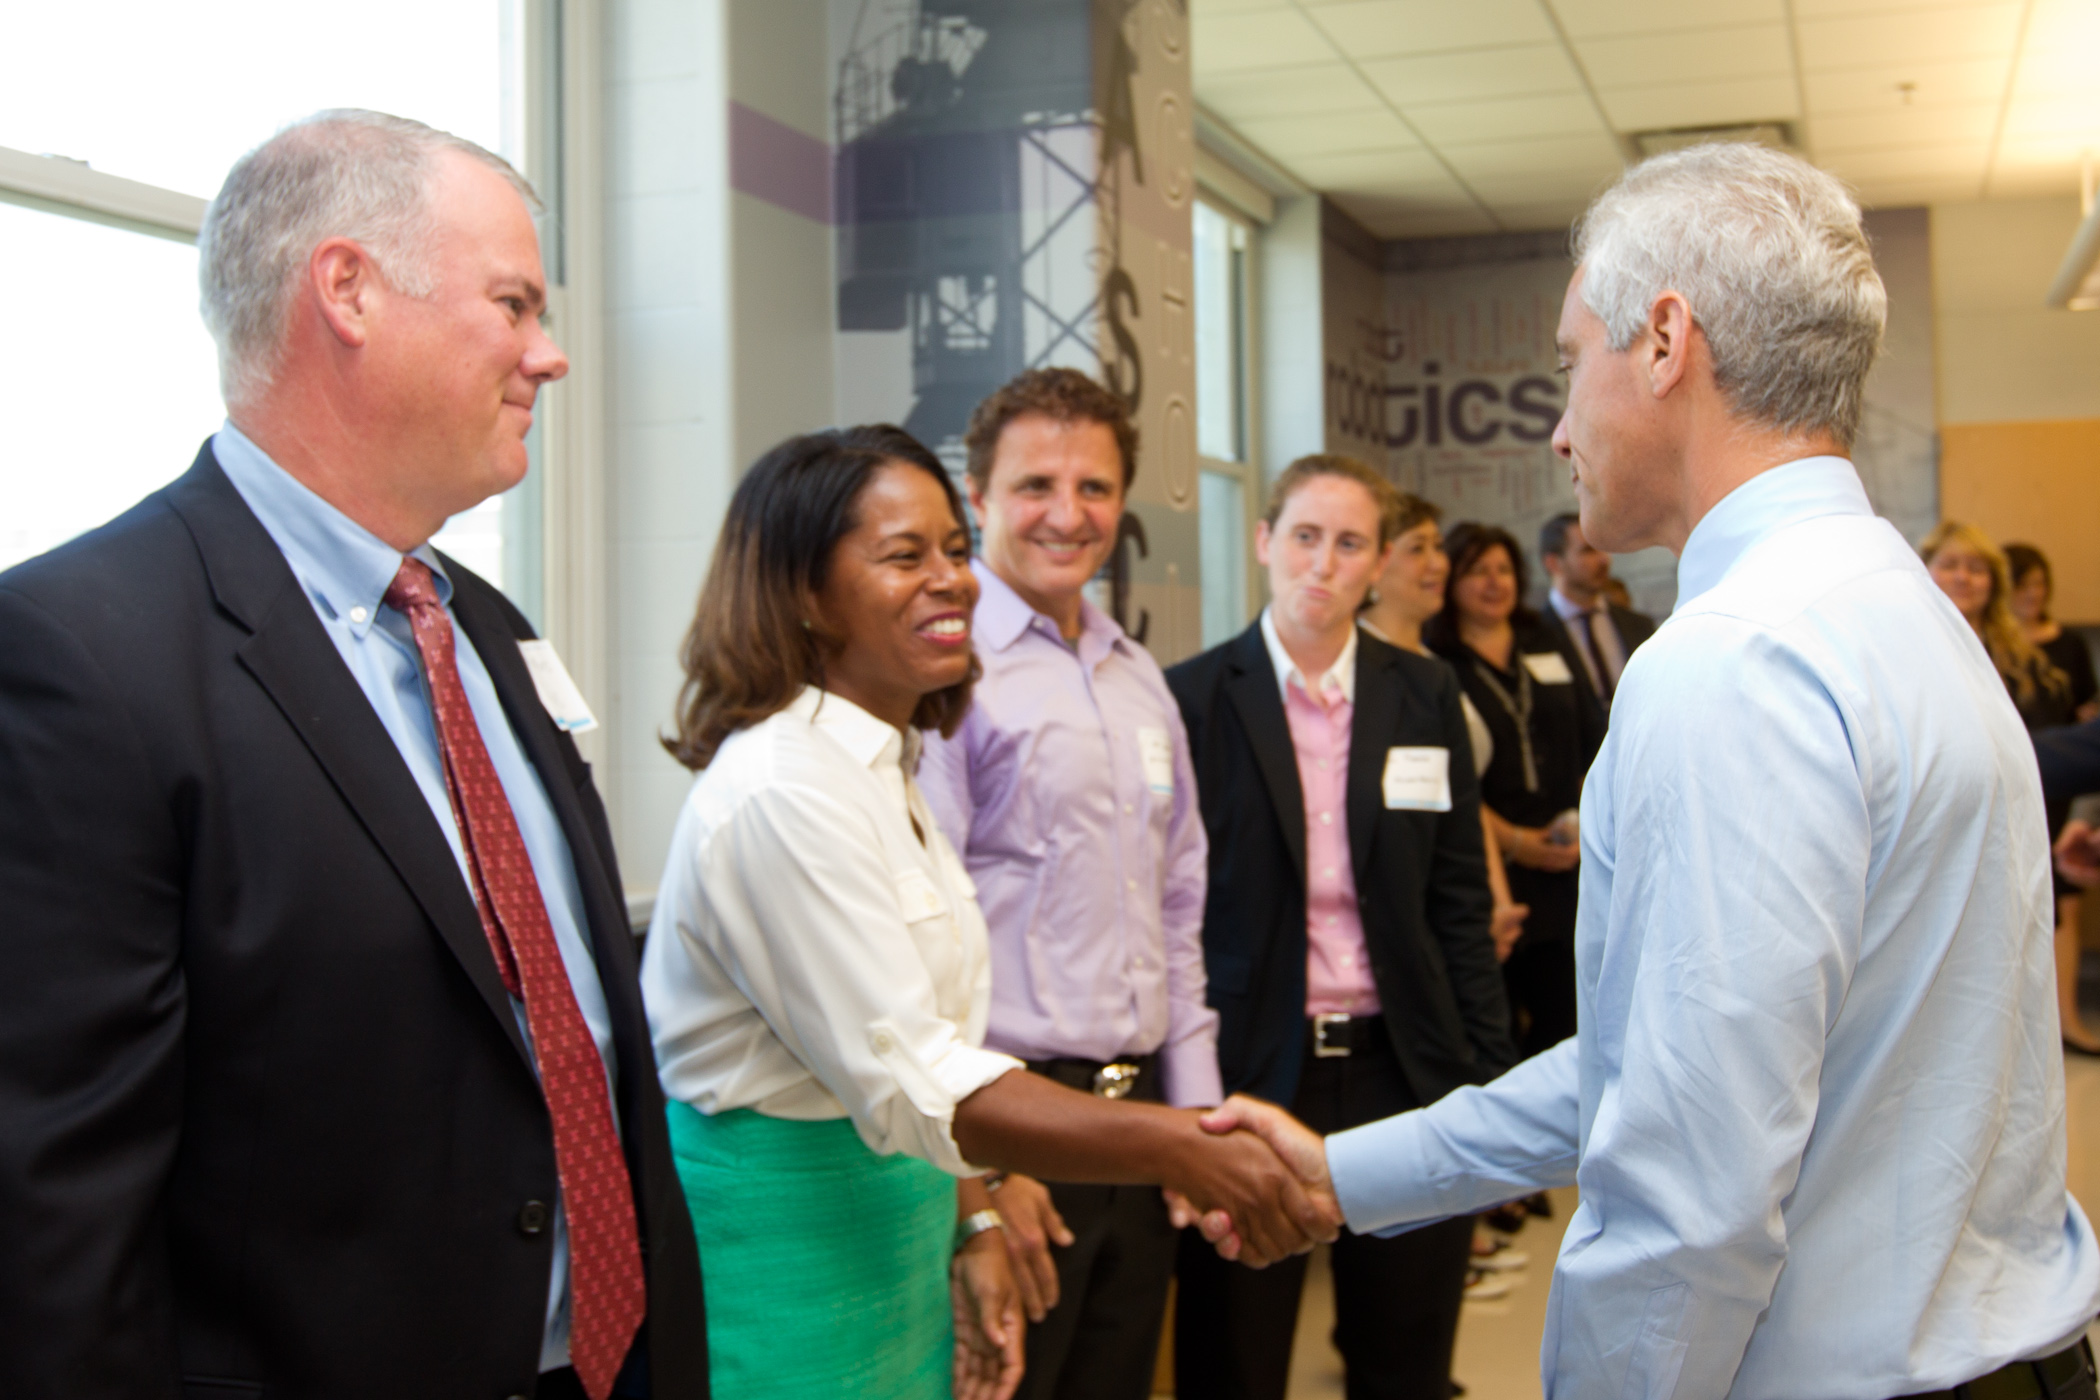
x=1599 y=631
x=1345 y=929
x=323 y=1066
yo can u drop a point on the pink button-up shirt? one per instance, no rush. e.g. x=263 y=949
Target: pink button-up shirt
x=1337 y=964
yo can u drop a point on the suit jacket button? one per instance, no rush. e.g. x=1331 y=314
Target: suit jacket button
x=533 y=1217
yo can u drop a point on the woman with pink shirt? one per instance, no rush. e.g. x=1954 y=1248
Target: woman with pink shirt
x=1345 y=928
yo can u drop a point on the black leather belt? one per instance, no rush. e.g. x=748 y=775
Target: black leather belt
x=2068 y=1375
x=1132 y=1077
x=1332 y=1035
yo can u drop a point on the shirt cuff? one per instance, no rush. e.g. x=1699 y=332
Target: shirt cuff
x=1382 y=1177
x=1190 y=1071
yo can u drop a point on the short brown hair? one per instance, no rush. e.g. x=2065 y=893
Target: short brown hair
x=752 y=648
x=1414 y=511
x=1384 y=494
x=1059 y=394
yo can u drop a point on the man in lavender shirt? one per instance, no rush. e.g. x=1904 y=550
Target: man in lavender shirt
x=1069 y=794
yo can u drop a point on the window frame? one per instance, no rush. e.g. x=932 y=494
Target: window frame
x=1246 y=469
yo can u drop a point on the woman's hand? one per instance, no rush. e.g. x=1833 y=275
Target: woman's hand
x=1528 y=846
x=988 y=1327
x=1032 y=1226
x=1506 y=926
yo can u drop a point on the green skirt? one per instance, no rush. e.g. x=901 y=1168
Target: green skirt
x=826 y=1266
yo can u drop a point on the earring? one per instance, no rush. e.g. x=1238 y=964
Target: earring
x=1370 y=598
x=805 y=624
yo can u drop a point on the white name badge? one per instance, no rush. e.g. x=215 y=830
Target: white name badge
x=564 y=702
x=1418 y=780
x=1548 y=668
x=1156 y=756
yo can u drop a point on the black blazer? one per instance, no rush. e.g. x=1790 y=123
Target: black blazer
x=1421 y=876
x=267 y=1124
x=1633 y=628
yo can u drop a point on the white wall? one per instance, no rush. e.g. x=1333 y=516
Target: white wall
x=2003 y=356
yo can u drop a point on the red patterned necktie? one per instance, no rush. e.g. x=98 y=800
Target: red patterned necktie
x=605 y=1264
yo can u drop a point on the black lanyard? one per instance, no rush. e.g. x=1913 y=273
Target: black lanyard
x=1519 y=709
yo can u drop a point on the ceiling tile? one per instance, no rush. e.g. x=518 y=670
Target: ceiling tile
x=1236 y=43
x=1505 y=119
x=1824 y=9
x=1585 y=18
x=1286 y=137
x=1579 y=157
x=1396 y=218
x=1200 y=10
x=1389 y=172
x=1970 y=31
x=2056 y=114
x=1382 y=28
x=2033 y=171
x=1480 y=73
x=1949 y=161
x=1752 y=51
x=1875 y=88
x=1902 y=126
x=1533 y=216
x=1898 y=194
x=1287 y=92
x=1559 y=186
x=2062 y=38
x=1736 y=102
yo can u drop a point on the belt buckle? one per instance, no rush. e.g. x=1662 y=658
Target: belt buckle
x=1115 y=1081
x=1321 y=1021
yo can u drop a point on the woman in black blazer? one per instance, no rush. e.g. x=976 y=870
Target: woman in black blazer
x=1546 y=727
x=1345 y=929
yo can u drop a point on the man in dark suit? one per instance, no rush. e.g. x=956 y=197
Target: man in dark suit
x=1345 y=930
x=1602 y=634
x=323 y=1066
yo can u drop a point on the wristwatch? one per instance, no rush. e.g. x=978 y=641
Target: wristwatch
x=975 y=1224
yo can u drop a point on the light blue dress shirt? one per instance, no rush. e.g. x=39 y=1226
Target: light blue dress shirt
x=1816 y=1104
x=346 y=571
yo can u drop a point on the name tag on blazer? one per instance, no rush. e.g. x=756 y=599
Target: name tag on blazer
x=1548 y=668
x=1156 y=757
x=1418 y=779
x=564 y=702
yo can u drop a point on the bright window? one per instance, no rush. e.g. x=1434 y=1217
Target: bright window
x=107 y=379
x=1222 y=419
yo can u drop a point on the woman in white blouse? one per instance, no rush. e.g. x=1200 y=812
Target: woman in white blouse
x=817 y=977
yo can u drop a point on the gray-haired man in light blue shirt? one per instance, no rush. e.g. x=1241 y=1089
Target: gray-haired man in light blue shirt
x=1815 y=1104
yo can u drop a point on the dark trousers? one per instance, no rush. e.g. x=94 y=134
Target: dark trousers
x=1396 y=1300
x=1540 y=979
x=1101 y=1341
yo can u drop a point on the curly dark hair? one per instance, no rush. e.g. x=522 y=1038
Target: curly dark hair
x=750 y=651
x=1466 y=543
x=1059 y=394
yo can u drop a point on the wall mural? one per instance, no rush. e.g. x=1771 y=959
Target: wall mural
x=1013 y=185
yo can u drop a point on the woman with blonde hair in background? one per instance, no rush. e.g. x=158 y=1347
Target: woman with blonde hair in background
x=1977 y=579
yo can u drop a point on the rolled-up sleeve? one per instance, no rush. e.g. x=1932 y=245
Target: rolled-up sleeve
x=810 y=928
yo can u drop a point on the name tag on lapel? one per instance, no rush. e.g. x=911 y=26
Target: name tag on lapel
x=1156 y=755
x=564 y=702
x=1548 y=668
x=1418 y=780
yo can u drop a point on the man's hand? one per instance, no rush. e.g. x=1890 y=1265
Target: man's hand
x=2078 y=855
x=1256 y=1205
x=1298 y=1147
x=988 y=1328
x=1528 y=846
x=1032 y=1226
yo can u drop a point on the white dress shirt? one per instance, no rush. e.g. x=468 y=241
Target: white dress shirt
x=1816 y=1102
x=811 y=957
x=1338 y=680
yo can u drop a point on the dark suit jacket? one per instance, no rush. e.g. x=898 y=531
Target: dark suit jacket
x=1633 y=627
x=1421 y=877
x=267 y=1124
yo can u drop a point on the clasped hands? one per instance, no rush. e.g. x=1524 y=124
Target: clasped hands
x=1256 y=1185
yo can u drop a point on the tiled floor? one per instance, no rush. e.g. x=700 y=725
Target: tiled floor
x=1498 y=1343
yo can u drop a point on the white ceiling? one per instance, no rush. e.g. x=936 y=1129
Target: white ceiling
x=1471 y=116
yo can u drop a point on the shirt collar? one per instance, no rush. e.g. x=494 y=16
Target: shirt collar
x=1003 y=615
x=1767 y=502
x=869 y=741
x=1568 y=610
x=1340 y=676
x=343 y=566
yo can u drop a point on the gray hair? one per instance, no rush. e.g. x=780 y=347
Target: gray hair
x=1770 y=255
x=346 y=173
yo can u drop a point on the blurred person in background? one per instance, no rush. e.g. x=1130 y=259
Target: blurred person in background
x=1408 y=593
x=1603 y=634
x=1068 y=794
x=1345 y=929
x=1972 y=572
x=1523 y=679
x=817 y=972
x=2033 y=583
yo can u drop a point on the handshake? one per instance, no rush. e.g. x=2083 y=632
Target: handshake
x=1255 y=1183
